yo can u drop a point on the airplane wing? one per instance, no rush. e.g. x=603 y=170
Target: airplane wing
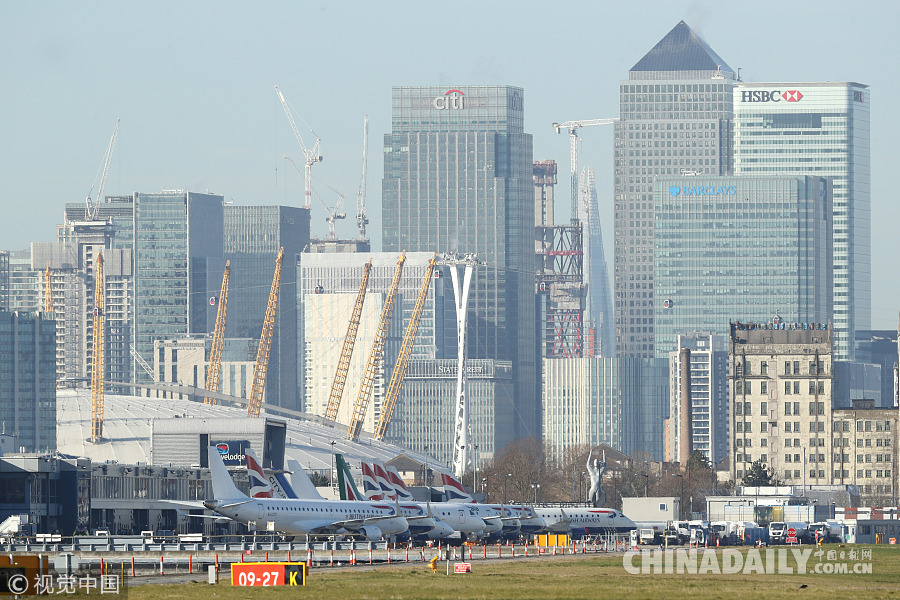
x=213 y=517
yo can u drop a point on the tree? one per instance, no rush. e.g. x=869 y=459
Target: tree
x=759 y=475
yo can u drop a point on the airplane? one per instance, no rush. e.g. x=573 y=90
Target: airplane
x=451 y=522
x=371 y=519
x=500 y=519
x=579 y=522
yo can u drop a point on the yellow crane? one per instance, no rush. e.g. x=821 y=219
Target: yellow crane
x=368 y=382
x=48 y=292
x=258 y=389
x=215 y=353
x=98 y=359
x=340 y=376
x=399 y=374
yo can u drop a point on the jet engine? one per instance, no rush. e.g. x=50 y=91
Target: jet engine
x=371 y=532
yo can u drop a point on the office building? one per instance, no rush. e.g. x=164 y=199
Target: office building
x=616 y=401
x=818 y=129
x=675 y=118
x=458 y=177
x=739 y=248
x=4 y=279
x=185 y=361
x=24 y=283
x=253 y=236
x=178 y=264
x=698 y=398
x=28 y=380
x=880 y=348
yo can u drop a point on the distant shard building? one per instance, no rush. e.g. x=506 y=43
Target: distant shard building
x=599 y=316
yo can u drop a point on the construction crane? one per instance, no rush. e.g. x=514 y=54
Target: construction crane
x=361 y=219
x=333 y=213
x=48 y=292
x=311 y=156
x=258 y=389
x=215 y=353
x=572 y=127
x=368 y=382
x=340 y=376
x=90 y=211
x=144 y=364
x=399 y=374
x=98 y=358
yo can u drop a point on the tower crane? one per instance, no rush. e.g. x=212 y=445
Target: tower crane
x=312 y=156
x=399 y=374
x=90 y=211
x=361 y=219
x=258 y=388
x=215 y=353
x=368 y=382
x=340 y=376
x=98 y=357
x=572 y=127
x=333 y=213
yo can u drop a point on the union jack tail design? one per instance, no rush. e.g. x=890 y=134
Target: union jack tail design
x=371 y=488
x=402 y=491
x=454 y=490
x=381 y=476
x=259 y=484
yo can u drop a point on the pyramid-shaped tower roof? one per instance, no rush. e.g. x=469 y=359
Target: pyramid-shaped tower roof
x=681 y=50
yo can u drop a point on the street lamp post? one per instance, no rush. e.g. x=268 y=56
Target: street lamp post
x=535 y=487
x=581 y=486
x=505 y=481
x=331 y=475
x=484 y=481
x=475 y=474
x=681 y=498
x=646 y=482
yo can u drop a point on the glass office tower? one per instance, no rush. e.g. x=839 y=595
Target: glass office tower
x=253 y=235
x=675 y=118
x=458 y=178
x=177 y=246
x=818 y=129
x=740 y=248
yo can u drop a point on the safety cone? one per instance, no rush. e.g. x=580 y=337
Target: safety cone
x=309 y=558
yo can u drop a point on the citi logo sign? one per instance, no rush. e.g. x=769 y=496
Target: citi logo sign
x=771 y=96
x=451 y=100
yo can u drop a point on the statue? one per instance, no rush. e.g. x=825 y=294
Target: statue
x=596 y=496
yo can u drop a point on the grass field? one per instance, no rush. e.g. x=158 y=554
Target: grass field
x=572 y=577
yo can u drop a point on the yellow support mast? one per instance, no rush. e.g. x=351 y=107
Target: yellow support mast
x=258 y=389
x=98 y=361
x=215 y=353
x=48 y=292
x=399 y=374
x=340 y=376
x=368 y=382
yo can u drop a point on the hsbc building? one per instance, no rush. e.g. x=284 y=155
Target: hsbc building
x=818 y=128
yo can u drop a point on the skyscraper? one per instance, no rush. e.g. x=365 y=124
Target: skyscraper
x=675 y=118
x=818 y=129
x=253 y=235
x=178 y=262
x=458 y=177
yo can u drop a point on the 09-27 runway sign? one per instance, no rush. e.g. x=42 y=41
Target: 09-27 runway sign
x=268 y=574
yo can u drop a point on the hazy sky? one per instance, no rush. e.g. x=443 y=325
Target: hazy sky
x=193 y=85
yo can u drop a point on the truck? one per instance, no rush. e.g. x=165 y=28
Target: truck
x=778 y=531
x=677 y=533
x=648 y=536
x=829 y=531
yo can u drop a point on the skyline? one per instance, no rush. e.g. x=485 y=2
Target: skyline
x=203 y=115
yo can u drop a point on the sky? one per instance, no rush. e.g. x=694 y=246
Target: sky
x=193 y=84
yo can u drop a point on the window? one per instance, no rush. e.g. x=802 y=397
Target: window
x=763 y=427
x=764 y=368
x=787 y=387
x=740 y=442
x=747 y=410
x=821 y=387
x=787 y=474
x=796 y=367
x=763 y=442
x=812 y=387
x=763 y=387
x=787 y=405
x=748 y=427
x=797 y=474
x=787 y=367
x=739 y=408
x=796 y=387
x=797 y=408
x=739 y=427
x=763 y=408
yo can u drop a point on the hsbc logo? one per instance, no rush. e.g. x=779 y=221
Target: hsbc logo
x=451 y=100
x=771 y=96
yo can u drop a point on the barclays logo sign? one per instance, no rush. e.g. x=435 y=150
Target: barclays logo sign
x=700 y=190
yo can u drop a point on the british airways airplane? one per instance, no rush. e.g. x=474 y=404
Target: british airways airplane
x=578 y=522
x=373 y=520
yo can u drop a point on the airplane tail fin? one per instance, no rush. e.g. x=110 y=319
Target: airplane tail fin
x=370 y=483
x=345 y=480
x=303 y=487
x=222 y=484
x=454 y=490
x=403 y=492
x=259 y=484
x=381 y=476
